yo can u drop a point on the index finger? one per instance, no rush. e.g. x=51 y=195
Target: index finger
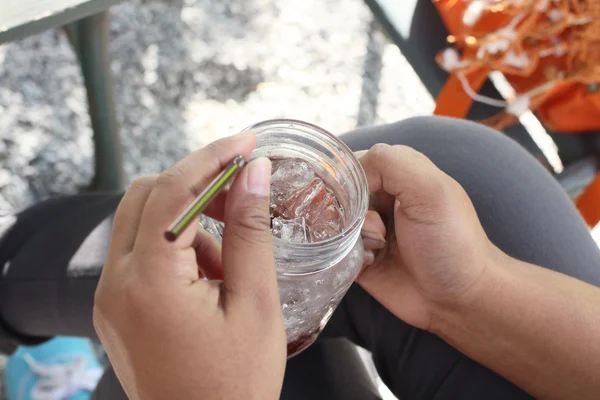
x=178 y=186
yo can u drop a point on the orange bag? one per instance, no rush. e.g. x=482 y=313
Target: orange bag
x=549 y=50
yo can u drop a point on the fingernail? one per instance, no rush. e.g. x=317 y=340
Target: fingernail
x=243 y=133
x=360 y=153
x=369 y=258
x=259 y=176
x=377 y=239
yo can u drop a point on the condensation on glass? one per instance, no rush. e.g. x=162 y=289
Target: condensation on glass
x=313 y=275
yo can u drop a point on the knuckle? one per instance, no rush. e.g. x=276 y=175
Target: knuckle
x=411 y=153
x=102 y=306
x=437 y=186
x=171 y=176
x=104 y=291
x=173 y=180
x=418 y=156
x=143 y=183
x=379 y=150
x=253 y=222
x=99 y=311
x=213 y=149
x=215 y=152
x=99 y=300
x=456 y=194
x=97 y=321
x=431 y=203
x=389 y=157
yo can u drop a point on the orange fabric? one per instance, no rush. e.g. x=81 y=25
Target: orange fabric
x=452 y=101
x=554 y=52
x=571 y=106
x=452 y=12
x=549 y=50
x=588 y=203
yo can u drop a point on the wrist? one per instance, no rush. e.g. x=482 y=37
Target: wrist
x=448 y=316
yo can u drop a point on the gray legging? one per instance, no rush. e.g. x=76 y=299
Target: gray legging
x=521 y=207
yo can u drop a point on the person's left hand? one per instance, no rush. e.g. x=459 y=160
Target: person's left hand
x=168 y=333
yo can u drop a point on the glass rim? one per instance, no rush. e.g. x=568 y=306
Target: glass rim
x=362 y=186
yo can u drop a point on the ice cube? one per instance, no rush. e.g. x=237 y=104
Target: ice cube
x=288 y=176
x=324 y=228
x=303 y=208
x=292 y=230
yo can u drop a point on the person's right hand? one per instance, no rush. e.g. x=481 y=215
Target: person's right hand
x=169 y=333
x=437 y=251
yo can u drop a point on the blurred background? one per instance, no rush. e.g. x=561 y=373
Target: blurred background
x=189 y=71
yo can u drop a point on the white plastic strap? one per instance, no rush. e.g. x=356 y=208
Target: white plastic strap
x=478 y=97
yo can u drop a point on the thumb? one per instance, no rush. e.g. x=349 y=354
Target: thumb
x=421 y=190
x=248 y=263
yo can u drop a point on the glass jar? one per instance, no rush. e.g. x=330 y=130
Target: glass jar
x=313 y=277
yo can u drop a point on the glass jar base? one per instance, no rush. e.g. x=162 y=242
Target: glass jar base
x=302 y=343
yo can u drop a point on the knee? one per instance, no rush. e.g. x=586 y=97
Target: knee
x=451 y=132
x=461 y=142
x=452 y=144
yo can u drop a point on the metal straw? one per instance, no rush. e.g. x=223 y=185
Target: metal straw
x=204 y=199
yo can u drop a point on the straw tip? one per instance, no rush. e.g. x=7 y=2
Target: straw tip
x=170 y=236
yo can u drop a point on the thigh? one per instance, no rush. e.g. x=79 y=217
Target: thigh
x=53 y=257
x=328 y=370
x=523 y=211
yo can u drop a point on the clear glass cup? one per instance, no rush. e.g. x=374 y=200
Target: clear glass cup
x=313 y=277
